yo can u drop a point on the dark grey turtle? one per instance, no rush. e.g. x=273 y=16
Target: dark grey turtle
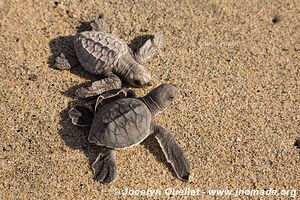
x=102 y=53
x=124 y=121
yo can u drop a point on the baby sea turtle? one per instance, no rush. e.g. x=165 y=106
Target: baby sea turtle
x=102 y=53
x=124 y=121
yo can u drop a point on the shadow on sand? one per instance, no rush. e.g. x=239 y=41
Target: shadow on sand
x=77 y=137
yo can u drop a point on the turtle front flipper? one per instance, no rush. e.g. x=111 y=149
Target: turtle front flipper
x=104 y=167
x=172 y=151
x=111 y=81
x=82 y=115
x=100 y=25
x=149 y=49
x=113 y=95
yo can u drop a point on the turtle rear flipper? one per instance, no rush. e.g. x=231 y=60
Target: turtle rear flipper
x=104 y=167
x=173 y=152
x=81 y=115
x=65 y=61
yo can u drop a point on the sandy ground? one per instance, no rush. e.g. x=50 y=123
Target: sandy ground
x=236 y=114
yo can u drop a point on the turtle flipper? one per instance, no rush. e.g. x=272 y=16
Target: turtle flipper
x=100 y=25
x=173 y=152
x=149 y=49
x=64 y=62
x=113 y=95
x=104 y=167
x=82 y=115
x=111 y=81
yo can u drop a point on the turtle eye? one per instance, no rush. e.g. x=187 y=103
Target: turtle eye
x=171 y=98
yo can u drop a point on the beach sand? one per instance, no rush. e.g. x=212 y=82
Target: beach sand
x=236 y=113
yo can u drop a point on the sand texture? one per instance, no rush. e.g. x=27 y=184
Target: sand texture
x=236 y=114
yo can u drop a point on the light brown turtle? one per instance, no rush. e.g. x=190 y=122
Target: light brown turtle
x=124 y=121
x=104 y=54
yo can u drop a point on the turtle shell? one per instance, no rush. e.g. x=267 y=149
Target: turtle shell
x=97 y=52
x=121 y=123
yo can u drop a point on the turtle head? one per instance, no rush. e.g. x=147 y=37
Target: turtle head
x=163 y=95
x=139 y=76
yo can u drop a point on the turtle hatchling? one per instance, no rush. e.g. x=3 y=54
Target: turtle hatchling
x=104 y=54
x=119 y=120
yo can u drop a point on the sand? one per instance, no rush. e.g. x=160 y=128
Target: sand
x=236 y=114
